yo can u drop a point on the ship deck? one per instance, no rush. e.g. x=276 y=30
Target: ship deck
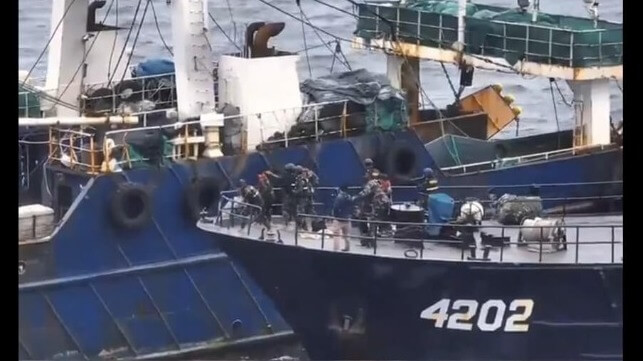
x=590 y=240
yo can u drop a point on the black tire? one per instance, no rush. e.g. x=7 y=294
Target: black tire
x=100 y=100
x=129 y=91
x=402 y=161
x=131 y=206
x=201 y=193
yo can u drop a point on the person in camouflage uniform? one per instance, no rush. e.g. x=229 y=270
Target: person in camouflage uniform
x=381 y=209
x=250 y=195
x=370 y=169
x=287 y=184
x=267 y=194
x=304 y=192
x=365 y=210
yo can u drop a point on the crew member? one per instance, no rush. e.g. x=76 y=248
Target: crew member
x=342 y=209
x=427 y=184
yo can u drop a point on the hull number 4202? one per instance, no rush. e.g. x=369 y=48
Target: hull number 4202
x=492 y=315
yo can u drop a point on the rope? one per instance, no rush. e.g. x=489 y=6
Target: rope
x=553 y=100
x=129 y=33
x=303 y=32
x=224 y=33
x=138 y=32
x=111 y=53
x=158 y=29
x=569 y=104
x=333 y=53
x=53 y=33
x=444 y=69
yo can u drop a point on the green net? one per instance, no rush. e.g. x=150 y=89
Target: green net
x=498 y=32
x=28 y=103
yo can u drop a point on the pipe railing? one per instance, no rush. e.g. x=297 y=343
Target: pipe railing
x=553 y=236
x=491 y=164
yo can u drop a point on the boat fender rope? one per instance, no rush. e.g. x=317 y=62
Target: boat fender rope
x=131 y=205
x=202 y=193
x=411 y=253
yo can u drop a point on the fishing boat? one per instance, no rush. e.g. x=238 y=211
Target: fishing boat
x=549 y=289
x=115 y=174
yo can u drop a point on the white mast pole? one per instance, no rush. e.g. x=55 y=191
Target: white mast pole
x=462 y=12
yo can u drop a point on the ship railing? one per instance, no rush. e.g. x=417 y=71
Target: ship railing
x=185 y=145
x=578 y=43
x=74 y=149
x=237 y=212
x=512 y=161
x=552 y=240
x=117 y=96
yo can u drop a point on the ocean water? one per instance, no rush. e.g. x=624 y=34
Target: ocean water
x=532 y=94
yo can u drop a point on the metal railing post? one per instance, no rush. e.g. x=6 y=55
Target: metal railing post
x=375 y=240
x=296 y=231
x=322 y=238
x=540 y=252
x=612 y=227
x=577 y=244
x=502 y=241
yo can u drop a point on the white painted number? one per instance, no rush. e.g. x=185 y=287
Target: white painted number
x=528 y=307
x=471 y=307
x=490 y=317
x=437 y=312
x=498 y=312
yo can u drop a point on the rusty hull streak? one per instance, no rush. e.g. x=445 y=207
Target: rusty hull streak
x=451 y=56
x=260 y=45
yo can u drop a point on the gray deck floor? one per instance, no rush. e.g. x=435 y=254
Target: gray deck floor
x=586 y=252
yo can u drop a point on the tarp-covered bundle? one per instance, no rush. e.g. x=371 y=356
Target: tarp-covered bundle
x=512 y=209
x=153 y=67
x=441 y=207
x=385 y=106
x=453 y=150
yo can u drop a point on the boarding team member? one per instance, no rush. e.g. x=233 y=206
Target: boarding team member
x=304 y=191
x=342 y=209
x=366 y=211
x=250 y=195
x=370 y=169
x=267 y=194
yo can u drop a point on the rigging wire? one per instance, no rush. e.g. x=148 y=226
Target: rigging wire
x=138 y=32
x=569 y=104
x=224 y=33
x=53 y=33
x=111 y=53
x=553 y=100
x=129 y=33
x=158 y=29
x=234 y=24
x=333 y=52
x=303 y=32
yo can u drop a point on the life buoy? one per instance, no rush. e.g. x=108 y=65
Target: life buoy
x=131 y=206
x=402 y=161
x=202 y=193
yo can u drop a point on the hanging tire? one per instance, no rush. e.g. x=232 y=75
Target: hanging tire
x=131 y=206
x=129 y=91
x=202 y=193
x=402 y=161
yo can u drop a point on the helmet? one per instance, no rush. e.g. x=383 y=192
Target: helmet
x=242 y=183
x=368 y=162
x=428 y=172
x=289 y=167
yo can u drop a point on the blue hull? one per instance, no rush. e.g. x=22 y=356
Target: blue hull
x=347 y=306
x=167 y=289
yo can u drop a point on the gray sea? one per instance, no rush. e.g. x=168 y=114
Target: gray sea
x=532 y=94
